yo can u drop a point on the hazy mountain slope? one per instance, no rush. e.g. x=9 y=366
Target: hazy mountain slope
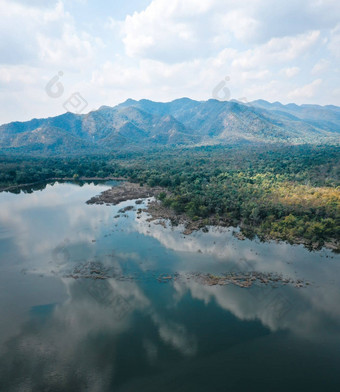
x=184 y=121
x=47 y=139
x=230 y=120
x=323 y=117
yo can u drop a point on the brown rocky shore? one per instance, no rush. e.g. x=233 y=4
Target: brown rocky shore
x=131 y=191
x=158 y=212
x=123 y=192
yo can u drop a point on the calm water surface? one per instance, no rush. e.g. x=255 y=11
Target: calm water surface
x=138 y=334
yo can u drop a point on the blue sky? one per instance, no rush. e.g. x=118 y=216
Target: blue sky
x=109 y=51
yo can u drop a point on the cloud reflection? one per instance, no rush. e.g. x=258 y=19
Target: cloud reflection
x=106 y=328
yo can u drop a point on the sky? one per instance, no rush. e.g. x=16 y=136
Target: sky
x=77 y=55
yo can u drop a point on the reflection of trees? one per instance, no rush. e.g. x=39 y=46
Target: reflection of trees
x=41 y=185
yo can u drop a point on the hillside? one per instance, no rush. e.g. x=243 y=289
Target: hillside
x=184 y=122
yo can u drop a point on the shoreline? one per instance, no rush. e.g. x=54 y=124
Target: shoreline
x=132 y=191
x=159 y=212
x=48 y=180
x=124 y=192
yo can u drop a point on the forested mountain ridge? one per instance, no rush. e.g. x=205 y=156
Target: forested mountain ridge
x=183 y=122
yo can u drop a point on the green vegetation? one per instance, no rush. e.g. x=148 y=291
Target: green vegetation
x=290 y=193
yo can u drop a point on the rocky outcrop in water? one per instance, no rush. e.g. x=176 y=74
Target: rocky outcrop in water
x=123 y=192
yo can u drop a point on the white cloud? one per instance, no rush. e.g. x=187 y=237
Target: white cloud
x=277 y=51
x=36 y=3
x=45 y=37
x=307 y=91
x=321 y=66
x=175 y=335
x=290 y=72
x=171 y=31
x=167 y=50
x=334 y=44
x=249 y=71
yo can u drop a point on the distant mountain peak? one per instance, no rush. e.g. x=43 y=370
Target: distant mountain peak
x=184 y=121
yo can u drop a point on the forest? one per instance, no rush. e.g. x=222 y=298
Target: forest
x=289 y=193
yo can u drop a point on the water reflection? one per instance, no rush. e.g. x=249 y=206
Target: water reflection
x=64 y=334
x=83 y=333
x=86 y=342
x=36 y=223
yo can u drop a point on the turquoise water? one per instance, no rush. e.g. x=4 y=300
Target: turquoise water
x=133 y=332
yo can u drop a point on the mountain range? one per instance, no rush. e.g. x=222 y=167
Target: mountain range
x=146 y=124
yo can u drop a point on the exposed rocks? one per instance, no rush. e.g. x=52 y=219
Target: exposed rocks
x=96 y=270
x=131 y=191
x=165 y=278
x=125 y=209
x=161 y=213
x=246 y=280
x=239 y=235
x=91 y=270
x=123 y=192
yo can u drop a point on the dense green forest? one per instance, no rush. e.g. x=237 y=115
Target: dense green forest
x=290 y=193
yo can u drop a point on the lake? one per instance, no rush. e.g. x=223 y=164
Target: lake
x=139 y=330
